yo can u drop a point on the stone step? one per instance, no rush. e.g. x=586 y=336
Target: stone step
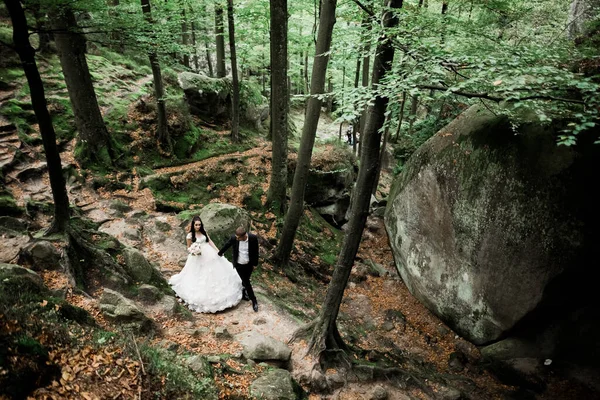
x=7 y=127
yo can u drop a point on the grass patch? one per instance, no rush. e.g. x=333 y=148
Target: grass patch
x=181 y=382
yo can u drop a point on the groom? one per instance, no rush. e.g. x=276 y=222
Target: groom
x=245 y=258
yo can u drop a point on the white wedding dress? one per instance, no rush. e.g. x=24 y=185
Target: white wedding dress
x=207 y=283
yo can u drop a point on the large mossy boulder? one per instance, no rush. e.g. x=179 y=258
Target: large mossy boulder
x=221 y=220
x=137 y=266
x=330 y=182
x=490 y=225
x=276 y=384
x=19 y=280
x=124 y=311
x=208 y=98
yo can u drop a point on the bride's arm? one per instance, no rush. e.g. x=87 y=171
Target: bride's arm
x=212 y=244
x=189 y=243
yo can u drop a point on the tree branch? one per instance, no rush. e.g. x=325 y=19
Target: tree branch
x=487 y=96
x=364 y=8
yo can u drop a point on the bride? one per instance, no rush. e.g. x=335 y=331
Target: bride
x=207 y=283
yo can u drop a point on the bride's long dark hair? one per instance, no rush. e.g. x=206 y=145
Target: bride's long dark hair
x=193 y=230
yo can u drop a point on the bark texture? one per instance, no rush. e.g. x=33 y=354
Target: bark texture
x=313 y=111
x=93 y=137
x=279 y=104
x=325 y=334
x=38 y=101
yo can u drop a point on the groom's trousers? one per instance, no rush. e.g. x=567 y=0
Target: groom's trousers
x=244 y=271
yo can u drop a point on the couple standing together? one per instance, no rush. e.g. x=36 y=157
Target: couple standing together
x=209 y=282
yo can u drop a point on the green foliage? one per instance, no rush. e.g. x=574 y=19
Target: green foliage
x=181 y=382
x=253 y=200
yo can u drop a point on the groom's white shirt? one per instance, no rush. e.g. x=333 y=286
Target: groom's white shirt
x=243 y=253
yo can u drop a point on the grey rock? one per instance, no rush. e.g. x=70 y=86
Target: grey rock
x=222 y=333
x=137 y=265
x=132 y=233
x=118 y=308
x=149 y=293
x=479 y=204
x=168 y=305
x=274 y=385
x=16 y=273
x=199 y=365
x=44 y=255
x=259 y=347
x=162 y=226
x=378 y=393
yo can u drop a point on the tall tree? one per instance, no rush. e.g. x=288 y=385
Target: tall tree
x=366 y=68
x=185 y=37
x=162 y=129
x=38 y=101
x=313 y=111
x=220 y=39
x=235 y=98
x=279 y=104
x=94 y=140
x=324 y=330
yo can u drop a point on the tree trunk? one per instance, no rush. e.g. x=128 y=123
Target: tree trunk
x=400 y=117
x=306 y=80
x=208 y=59
x=40 y=27
x=329 y=107
x=386 y=133
x=194 y=45
x=162 y=129
x=185 y=39
x=412 y=116
x=355 y=122
x=366 y=69
x=235 y=98
x=324 y=330
x=313 y=111
x=38 y=101
x=93 y=141
x=220 y=39
x=279 y=105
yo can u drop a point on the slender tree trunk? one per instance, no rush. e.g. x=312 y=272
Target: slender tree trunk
x=355 y=122
x=366 y=69
x=235 y=98
x=208 y=58
x=386 y=134
x=194 y=45
x=400 y=117
x=279 y=104
x=38 y=101
x=412 y=116
x=306 y=80
x=162 y=129
x=313 y=111
x=324 y=330
x=444 y=12
x=220 y=39
x=40 y=27
x=185 y=38
x=329 y=95
x=93 y=141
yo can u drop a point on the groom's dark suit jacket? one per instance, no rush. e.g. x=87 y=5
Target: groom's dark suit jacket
x=252 y=248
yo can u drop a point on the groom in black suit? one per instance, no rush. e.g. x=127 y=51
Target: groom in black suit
x=245 y=258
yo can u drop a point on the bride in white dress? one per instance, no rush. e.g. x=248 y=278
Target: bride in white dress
x=207 y=283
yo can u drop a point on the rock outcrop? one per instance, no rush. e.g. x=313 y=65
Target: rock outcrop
x=490 y=226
